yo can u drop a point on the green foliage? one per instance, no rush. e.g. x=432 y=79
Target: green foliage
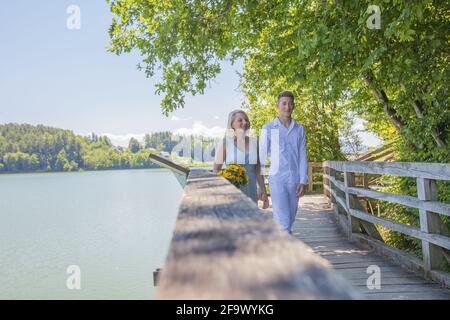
x=396 y=77
x=160 y=141
x=134 y=146
x=27 y=148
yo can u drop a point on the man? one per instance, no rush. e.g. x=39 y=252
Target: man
x=284 y=141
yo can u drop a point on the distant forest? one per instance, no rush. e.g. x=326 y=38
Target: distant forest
x=28 y=148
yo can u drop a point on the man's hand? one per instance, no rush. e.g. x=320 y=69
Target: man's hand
x=300 y=190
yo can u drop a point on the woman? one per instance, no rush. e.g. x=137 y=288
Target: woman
x=238 y=147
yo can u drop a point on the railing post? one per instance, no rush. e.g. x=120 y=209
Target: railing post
x=365 y=182
x=430 y=222
x=331 y=173
x=311 y=178
x=324 y=180
x=353 y=223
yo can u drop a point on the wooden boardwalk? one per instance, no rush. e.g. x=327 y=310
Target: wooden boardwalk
x=316 y=226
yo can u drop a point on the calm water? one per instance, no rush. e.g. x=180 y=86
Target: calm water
x=114 y=225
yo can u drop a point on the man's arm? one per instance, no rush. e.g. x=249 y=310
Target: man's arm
x=264 y=148
x=303 y=163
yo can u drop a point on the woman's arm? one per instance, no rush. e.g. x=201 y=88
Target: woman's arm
x=220 y=156
x=260 y=180
x=262 y=192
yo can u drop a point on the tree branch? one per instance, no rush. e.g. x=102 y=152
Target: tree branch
x=382 y=98
x=418 y=108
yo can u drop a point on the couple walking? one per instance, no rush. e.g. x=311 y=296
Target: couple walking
x=283 y=141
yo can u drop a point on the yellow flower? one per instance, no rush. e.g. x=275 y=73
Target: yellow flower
x=235 y=173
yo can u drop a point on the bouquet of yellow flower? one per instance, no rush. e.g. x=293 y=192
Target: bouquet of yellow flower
x=236 y=174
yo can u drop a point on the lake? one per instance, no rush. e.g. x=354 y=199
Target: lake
x=113 y=226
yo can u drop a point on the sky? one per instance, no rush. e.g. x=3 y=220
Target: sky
x=65 y=78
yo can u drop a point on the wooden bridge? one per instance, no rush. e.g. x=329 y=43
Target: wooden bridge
x=224 y=247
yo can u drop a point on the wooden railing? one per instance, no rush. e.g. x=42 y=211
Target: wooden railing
x=314 y=170
x=360 y=224
x=223 y=247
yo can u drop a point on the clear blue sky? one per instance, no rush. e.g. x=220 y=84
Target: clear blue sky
x=65 y=78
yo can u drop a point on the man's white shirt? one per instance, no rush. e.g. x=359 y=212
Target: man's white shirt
x=286 y=148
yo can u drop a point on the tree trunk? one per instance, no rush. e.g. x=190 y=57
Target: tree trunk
x=382 y=98
x=418 y=108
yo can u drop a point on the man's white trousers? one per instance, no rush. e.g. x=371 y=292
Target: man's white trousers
x=284 y=203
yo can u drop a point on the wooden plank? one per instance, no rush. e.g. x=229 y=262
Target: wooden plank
x=406 y=289
x=393 y=280
x=396 y=273
x=224 y=248
x=436 y=171
x=409 y=201
x=310 y=180
x=363 y=270
x=339 y=254
x=380 y=156
x=406 y=295
x=321 y=241
x=166 y=163
x=353 y=202
x=329 y=248
x=337 y=183
x=355 y=257
x=370 y=153
x=339 y=200
x=436 y=239
x=359 y=265
x=351 y=261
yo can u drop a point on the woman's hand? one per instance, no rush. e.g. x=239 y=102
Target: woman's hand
x=262 y=195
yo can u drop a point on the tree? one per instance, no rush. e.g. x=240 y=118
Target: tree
x=27 y=148
x=395 y=77
x=134 y=146
x=61 y=161
x=147 y=141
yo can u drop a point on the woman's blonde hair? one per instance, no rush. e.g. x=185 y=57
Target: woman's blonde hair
x=233 y=114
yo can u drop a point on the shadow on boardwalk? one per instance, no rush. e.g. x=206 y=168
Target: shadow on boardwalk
x=315 y=225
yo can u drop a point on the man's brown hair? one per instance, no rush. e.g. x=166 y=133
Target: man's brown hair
x=287 y=94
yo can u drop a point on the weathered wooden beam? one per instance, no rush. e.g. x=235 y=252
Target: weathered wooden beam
x=224 y=248
x=163 y=162
x=369 y=154
x=353 y=222
x=409 y=201
x=436 y=171
x=310 y=180
x=436 y=239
